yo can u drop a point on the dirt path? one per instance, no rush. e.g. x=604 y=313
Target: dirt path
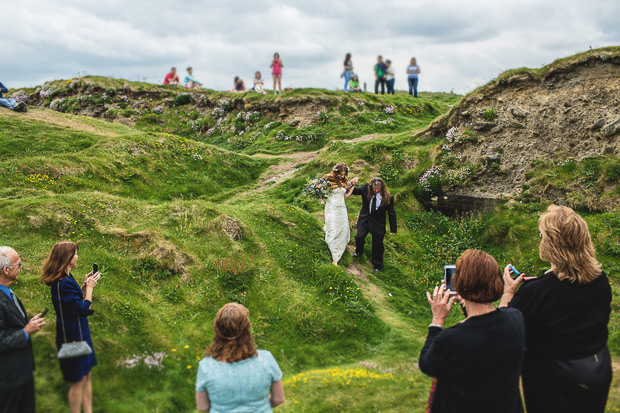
x=283 y=170
x=279 y=172
x=60 y=119
x=380 y=300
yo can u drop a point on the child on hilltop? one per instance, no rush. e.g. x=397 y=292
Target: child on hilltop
x=238 y=85
x=259 y=83
x=276 y=71
x=354 y=85
x=172 y=78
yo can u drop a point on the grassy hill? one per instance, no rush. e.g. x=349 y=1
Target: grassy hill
x=182 y=221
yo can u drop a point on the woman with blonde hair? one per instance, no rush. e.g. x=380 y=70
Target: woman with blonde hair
x=567 y=366
x=235 y=376
x=337 y=232
x=72 y=305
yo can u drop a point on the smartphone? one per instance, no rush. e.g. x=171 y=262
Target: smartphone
x=514 y=271
x=44 y=312
x=448 y=272
x=95 y=268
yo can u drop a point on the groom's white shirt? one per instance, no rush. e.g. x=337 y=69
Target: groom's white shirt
x=379 y=198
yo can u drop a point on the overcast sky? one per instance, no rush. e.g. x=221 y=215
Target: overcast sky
x=459 y=44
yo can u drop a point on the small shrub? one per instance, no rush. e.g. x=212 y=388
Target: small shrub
x=613 y=172
x=489 y=114
x=389 y=172
x=152 y=118
x=181 y=100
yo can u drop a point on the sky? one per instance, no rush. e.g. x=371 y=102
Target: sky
x=459 y=45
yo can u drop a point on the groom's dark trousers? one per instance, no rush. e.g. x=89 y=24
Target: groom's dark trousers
x=373 y=223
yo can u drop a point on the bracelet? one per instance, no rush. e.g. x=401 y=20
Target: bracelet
x=434 y=325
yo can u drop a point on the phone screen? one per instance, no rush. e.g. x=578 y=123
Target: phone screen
x=95 y=267
x=448 y=272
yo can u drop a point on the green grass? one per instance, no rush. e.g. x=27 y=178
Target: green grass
x=163 y=223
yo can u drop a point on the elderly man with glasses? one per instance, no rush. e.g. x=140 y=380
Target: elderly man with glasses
x=16 y=358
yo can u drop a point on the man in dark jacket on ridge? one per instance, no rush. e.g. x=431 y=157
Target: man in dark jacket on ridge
x=376 y=202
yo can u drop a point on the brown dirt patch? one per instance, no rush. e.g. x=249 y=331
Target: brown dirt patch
x=60 y=119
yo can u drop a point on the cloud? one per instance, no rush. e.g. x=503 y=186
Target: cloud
x=459 y=44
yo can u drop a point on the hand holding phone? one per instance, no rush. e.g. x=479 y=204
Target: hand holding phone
x=514 y=271
x=448 y=272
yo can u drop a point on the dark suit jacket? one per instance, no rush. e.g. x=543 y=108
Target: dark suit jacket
x=375 y=222
x=16 y=359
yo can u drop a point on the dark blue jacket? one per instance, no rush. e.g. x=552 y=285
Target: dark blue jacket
x=75 y=309
x=3 y=89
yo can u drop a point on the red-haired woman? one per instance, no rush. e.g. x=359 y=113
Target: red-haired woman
x=477 y=362
x=235 y=376
x=73 y=302
x=337 y=232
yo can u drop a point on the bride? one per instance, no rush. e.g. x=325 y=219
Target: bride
x=337 y=231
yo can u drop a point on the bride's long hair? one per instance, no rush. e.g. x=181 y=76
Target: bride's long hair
x=386 y=197
x=335 y=176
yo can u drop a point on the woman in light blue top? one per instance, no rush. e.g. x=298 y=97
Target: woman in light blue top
x=235 y=376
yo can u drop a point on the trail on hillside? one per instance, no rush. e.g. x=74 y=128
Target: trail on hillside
x=59 y=119
x=380 y=300
x=286 y=168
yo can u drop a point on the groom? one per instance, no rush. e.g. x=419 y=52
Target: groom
x=376 y=202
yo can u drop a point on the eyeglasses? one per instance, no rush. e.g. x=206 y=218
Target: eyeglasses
x=15 y=265
x=539 y=234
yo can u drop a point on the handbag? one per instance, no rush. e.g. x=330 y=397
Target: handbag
x=76 y=348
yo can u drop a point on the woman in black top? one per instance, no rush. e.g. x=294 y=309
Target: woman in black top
x=567 y=367
x=477 y=362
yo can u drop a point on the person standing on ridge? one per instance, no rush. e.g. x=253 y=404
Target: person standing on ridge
x=380 y=69
x=413 y=70
x=389 y=77
x=348 y=71
x=276 y=71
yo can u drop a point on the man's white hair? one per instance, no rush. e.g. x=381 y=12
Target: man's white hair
x=5 y=259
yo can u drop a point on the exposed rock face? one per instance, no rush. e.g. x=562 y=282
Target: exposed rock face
x=570 y=111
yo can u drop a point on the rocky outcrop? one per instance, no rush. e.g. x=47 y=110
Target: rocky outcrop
x=568 y=110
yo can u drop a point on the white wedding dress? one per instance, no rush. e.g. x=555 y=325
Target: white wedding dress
x=337 y=231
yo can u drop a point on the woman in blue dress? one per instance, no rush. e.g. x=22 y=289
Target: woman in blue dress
x=73 y=324
x=236 y=377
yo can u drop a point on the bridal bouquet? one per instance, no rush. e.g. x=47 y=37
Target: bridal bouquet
x=318 y=188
